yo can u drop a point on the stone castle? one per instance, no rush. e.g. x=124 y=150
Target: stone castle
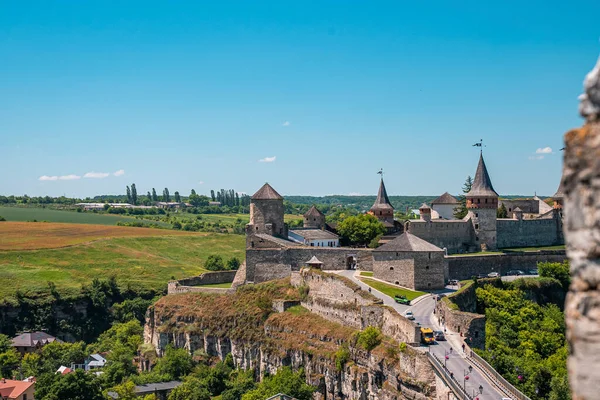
x=413 y=252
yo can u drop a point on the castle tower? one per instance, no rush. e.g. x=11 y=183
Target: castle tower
x=314 y=219
x=266 y=213
x=482 y=203
x=425 y=212
x=382 y=208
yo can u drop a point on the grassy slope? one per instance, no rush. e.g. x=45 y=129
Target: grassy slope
x=391 y=290
x=146 y=262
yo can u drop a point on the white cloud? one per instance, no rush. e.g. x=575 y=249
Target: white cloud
x=70 y=177
x=544 y=150
x=201 y=183
x=97 y=175
x=48 y=178
x=120 y=172
x=286 y=123
x=267 y=159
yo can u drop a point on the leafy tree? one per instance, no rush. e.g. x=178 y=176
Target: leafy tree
x=212 y=195
x=128 y=194
x=133 y=194
x=177 y=197
x=193 y=192
x=558 y=271
x=461 y=211
x=154 y=196
x=198 y=201
x=214 y=263
x=131 y=309
x=119 y=364
x=74 y=386
x=360 y=229
x=502 y=212
x=369 y=338
x=233 y=263
x=55 y=354
x=240 y=382
x=125 y=390
x=31 y=364
x=175 y=362
x=166 y=196
x=191 y=389
x=284 y=381
x=128 y=334
x=9 y=361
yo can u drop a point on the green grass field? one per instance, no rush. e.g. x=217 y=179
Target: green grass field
x=225 y=285
x=230 y=218
x=391 y=290
x=147 y=262
x=366 y=273
x=72 y=217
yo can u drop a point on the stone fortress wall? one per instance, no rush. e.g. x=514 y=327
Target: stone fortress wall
x=342 y=301
x=529 y=232
x=415 y=270
x=263 y=264
x=208 y=278
x=455 y=235
x=465 y=267
x=457 y=312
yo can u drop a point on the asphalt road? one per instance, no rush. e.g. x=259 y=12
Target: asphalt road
x=452 y=347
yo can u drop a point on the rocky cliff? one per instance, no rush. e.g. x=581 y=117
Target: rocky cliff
x=258 y=338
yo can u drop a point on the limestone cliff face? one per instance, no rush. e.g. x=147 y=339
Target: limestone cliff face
x=300 y=341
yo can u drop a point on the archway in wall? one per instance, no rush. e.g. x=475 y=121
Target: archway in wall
x=351 y=261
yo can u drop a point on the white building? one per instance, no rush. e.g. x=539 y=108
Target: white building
x=444 y=206
x=314 y=237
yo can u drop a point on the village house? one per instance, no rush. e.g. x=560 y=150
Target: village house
x=16 y=390
x=28 y=342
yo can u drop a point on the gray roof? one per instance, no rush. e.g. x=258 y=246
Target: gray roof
x=281 y=396
x=382 y=202
x=518 y=209
x=315 y=234
x=276 y=240
x=313 y=261
x=32 y=339
x=314 y=212
x=266 y=192
x=408 y=242
x=560 y=191
x=446 y=198
x=150 y=388
x=482 y=184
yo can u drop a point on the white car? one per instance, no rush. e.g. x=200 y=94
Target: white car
x=409 y=315
x=493 y=275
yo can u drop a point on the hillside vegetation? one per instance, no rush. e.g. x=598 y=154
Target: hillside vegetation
x=141 y=257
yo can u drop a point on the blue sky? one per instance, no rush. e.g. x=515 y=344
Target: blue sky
x=178 y=93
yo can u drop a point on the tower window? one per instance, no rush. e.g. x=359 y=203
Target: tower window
x=477 y=239
x=476 y=215
x=478 y=201
x=391 y=268
x=476 y=226
x=427 y=267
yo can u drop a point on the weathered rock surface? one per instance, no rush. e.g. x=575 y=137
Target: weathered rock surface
x=289 y=339
x=581 y=180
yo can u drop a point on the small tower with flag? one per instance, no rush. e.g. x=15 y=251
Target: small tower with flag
x=382 y=208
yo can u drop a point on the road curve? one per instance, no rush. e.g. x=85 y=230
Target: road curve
x=456 y=363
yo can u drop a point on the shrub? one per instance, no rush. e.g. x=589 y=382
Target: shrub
x=233 y=263
x=176 y=225
x=402 y=347
x=369 y=338
x=558 y=271
x=341 y=357
x=2 y=218
x=214 y=263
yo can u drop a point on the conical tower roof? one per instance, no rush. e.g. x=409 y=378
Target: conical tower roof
x=382 y=202
x=313 y=212
x=482 y=184
x=560 y=192
x=266 y=192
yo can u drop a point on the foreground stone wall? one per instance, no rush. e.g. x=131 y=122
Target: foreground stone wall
x=457 y=313
x=529 y=232
x=342 y=301
x=581 y=180
x=208 y=278
x=464 y=267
